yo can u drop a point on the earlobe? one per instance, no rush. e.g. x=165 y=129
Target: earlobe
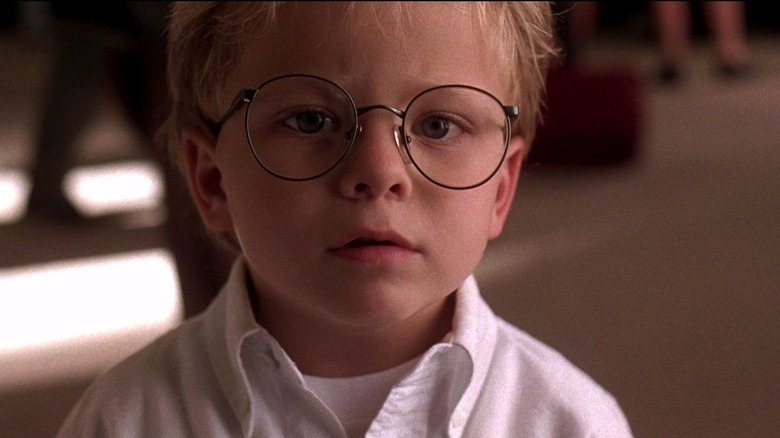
x=205 y=178
x=508 y=175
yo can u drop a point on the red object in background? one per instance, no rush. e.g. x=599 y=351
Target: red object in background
x=592 y=116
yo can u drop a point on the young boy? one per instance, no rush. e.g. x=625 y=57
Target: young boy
x=360 y=156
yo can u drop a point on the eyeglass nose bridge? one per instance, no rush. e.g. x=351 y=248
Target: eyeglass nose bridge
x=401 y=140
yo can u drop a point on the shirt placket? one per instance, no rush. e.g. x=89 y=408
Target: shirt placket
x=423 y=402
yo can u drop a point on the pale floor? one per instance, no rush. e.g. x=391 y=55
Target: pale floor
x=658 y=277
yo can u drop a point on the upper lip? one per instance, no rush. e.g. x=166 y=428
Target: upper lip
x=379 y=237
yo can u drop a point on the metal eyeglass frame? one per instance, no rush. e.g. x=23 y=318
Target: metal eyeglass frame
x=247 y=95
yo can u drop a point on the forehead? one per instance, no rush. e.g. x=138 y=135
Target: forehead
x=411 y=44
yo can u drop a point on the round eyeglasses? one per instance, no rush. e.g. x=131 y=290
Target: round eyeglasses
x=299 y=127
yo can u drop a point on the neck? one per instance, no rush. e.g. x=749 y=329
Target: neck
x=328 y=348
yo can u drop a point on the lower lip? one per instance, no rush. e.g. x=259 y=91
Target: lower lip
x=374 y=253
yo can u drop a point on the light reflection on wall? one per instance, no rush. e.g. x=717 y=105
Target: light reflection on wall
x=71 y=319
x=94 y=190
x=14 y=188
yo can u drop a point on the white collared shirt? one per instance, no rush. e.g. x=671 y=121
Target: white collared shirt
x=222 y=375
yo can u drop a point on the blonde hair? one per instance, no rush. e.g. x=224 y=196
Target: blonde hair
x=206 y=40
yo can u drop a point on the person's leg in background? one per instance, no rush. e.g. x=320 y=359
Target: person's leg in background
x=583 y=22
x=726 y=22
x=672 y=21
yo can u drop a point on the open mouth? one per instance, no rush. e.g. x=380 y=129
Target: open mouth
x=362 y=243
x=375 y=247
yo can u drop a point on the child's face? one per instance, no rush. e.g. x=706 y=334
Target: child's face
x=313 y=246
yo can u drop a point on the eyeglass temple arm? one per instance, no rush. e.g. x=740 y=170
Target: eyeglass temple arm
x=244 y=97
x=511 y=111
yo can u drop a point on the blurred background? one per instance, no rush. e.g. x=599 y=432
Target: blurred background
x=644 y=243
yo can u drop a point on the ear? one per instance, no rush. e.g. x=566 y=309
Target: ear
x=205 y=178
x=507 y=185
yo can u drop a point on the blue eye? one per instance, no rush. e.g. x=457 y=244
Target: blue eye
x=309 y=122
x=435 y=127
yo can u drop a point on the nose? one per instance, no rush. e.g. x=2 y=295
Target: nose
x=377 y=165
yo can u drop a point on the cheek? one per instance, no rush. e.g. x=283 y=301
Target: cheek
x=464 y=224
x=269 y=214
x=473 y=210
x=269 y=224
x=249 y=190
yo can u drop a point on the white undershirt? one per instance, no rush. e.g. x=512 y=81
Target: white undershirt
x=356 y=401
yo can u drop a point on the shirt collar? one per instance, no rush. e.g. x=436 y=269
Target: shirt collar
x=437 y=397
x=475 y=329
x=232 y=319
